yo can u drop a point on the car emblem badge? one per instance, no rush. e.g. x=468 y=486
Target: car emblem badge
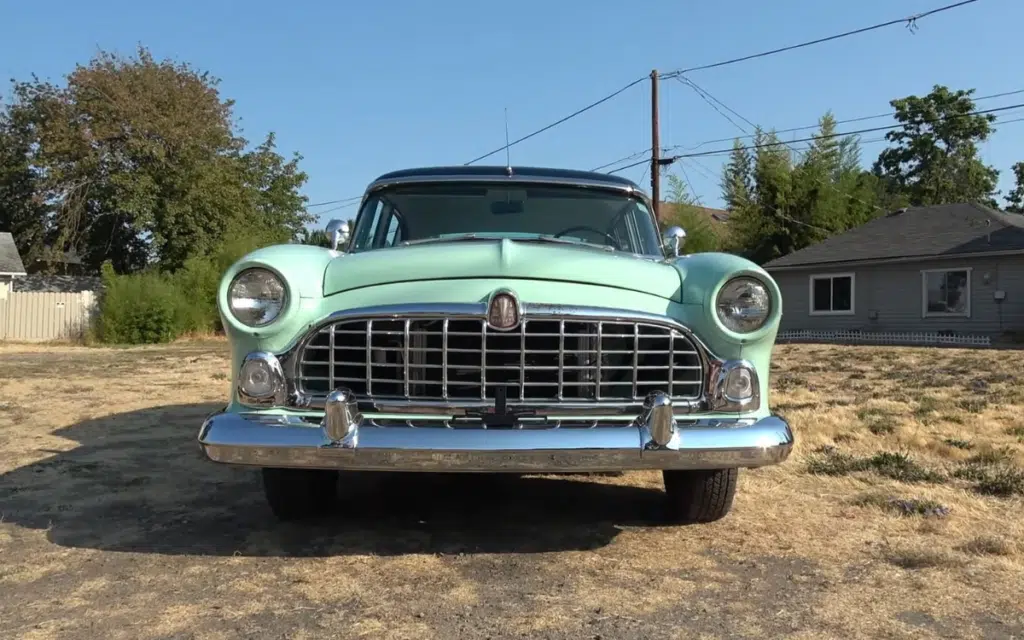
x=503 y=311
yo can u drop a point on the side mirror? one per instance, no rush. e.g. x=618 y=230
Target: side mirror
x=673 y=237
x=338 y=231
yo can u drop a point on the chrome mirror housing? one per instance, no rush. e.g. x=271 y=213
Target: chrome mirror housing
x=338 y=231
x=673 y=237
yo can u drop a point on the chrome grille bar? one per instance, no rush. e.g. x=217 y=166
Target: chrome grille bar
x=456 y=358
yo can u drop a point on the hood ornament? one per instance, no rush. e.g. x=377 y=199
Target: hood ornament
x=504 y=312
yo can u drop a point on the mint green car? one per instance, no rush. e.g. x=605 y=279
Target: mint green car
x=497 y=319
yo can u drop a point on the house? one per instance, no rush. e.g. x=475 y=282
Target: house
x=945 y=273
x=56 y=262
x=718 y=218
x=10 y=263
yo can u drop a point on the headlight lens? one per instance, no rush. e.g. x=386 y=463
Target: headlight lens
x=743 y=305
x=256 y=297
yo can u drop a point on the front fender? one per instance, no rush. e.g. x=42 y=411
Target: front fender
x=301 y=267
x=704 y=275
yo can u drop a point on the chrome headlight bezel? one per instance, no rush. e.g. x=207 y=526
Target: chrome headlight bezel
x=721 y=375
x=276 y=394
x=271 y=275
x=733 y=286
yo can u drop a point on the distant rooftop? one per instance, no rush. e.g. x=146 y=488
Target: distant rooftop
x=10 y=260
x=917 y=232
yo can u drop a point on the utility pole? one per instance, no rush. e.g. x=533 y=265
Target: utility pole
x=655 y=147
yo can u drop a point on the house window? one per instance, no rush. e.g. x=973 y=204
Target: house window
x=832 y=294
x=946 y=292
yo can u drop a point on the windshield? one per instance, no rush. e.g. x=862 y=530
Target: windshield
x=541 y=213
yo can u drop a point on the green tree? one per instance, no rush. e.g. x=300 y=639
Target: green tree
x=138 y=162
x=933 y=156
x=685 y=212
x=779 y=204
x=737 y=178
x=758 y=189
x=22 y=211
x=318 y=237
x=831 y=192
x=1015 y=199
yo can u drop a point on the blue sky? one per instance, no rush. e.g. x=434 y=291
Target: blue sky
x=360 y=89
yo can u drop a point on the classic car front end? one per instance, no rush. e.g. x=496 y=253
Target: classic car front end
x=467 y=329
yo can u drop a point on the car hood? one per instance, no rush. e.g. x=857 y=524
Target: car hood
x=502 y=258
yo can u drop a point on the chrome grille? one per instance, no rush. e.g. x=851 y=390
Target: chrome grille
x=461 y=359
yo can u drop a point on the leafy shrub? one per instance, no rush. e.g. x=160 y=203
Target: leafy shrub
x=152 y=307
x=138 y=309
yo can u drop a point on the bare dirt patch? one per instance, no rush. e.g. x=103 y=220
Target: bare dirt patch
x=899 y=515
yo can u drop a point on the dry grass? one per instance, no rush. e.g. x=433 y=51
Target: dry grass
x=899 y=515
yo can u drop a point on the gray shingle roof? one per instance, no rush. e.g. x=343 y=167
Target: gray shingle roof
x=57 y=283
x=938 y=230
x=10 y=261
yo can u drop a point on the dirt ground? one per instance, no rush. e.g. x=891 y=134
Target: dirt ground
x=898 y=515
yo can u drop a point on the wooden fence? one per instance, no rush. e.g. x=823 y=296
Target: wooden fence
x=31 y=316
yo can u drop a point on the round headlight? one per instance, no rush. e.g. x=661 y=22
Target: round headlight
x=256 y=297
x=743 y=305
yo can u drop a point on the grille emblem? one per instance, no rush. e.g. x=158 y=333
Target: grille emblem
x=503 y=311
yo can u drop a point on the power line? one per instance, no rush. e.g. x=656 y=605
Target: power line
x=558 y=122
x=836 y=135
x=712 y=100
x=629 y=157
x=811 y=139
x=321 y=204
x=777 y=211
x=815 y=126
x=707 y=97
x=910 y=21
x=343 y=206
x=630 y=166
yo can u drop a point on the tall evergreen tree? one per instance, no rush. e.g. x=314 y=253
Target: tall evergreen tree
x=1015 y=199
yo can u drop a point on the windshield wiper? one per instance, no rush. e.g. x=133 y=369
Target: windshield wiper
x=577 y=243
x=454 y=237
x=476 y=236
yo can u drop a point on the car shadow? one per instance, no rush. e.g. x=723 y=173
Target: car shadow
x=138 y=482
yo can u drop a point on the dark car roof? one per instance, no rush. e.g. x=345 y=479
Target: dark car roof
x=523 y=172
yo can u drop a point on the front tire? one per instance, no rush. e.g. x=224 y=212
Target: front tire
x=295 y=494
x=695 y=497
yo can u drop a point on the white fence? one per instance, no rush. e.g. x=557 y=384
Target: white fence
x=884 y=337
x=32 y=316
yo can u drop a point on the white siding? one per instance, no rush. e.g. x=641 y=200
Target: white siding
x=32 y=316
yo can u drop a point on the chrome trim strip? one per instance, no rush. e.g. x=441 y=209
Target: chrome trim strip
x=231 y=438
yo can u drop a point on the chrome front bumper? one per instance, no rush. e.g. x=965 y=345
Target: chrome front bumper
x=345 y=441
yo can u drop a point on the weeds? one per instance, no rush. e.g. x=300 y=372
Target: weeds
x=988 y=546
x=905 y=506
x=972 y=405
x=879 y=422
x=956 y=443
x=896 y=465
x=923 y=558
